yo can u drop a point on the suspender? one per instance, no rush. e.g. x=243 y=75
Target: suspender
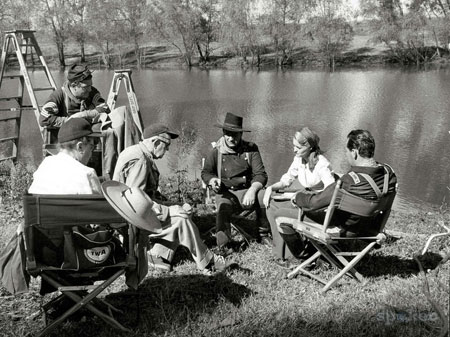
x=219 y=164
x=375 y=186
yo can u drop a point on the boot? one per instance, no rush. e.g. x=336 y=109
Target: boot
x=295 y=243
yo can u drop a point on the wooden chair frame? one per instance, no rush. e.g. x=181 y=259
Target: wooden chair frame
x=326 y=239
x=62 y=212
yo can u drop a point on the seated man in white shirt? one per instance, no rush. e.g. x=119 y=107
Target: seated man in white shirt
x=66 y=172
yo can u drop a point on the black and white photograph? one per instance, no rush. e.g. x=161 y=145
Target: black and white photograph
x=224 y=168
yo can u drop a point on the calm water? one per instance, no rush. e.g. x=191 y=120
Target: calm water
x=407 y=112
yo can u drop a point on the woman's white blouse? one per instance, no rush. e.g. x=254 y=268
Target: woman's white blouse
x=306 y=177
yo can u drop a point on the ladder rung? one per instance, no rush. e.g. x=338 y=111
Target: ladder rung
x=27 y=45
x=6 y=158
x=3 y=119
x=12 y=76
x=43 y=89
x=10 y=98
x=8 y=138
x=34 y=66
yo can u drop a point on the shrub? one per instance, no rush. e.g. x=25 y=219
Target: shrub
x=15 y=179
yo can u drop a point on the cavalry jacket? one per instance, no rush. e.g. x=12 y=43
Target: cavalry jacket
x=354 y=183
x=61 y=104
x=239 y=170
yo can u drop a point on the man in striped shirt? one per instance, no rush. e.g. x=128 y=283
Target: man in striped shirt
x=77 y=98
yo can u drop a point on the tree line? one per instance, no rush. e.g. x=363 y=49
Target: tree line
x=202 y=29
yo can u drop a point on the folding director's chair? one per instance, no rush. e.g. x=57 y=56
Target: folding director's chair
x=49 y=222
x=326 y=239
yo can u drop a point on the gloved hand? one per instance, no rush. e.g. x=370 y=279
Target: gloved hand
x=103 y=108
x=215 y=184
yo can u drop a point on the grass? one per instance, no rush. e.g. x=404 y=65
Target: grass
x=255 y=298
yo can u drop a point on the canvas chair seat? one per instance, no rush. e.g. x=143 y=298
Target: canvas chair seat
x=327 y=236
x=51 y=220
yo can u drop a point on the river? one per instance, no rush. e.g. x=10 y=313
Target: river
x=407 y=112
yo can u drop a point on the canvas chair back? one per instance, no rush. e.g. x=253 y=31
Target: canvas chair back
x=50 y=227
x=374 y=211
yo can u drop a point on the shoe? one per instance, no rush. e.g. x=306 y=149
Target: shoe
x=221 y=239
x=223 y=251
x=218 y=264
x=267 y=241
x=159 y=263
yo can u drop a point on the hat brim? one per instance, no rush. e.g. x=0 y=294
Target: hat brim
x=112 y=190
x=172 y=134
x=230 y=128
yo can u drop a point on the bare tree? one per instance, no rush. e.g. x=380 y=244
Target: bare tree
x=403 y=32
x=102 y=33
x=330 y=29
x=178 y=23
x=130 y=21
x=284 y=24
x=56 y=15
x=208 y=28
x=78 y=8
x=241 y=29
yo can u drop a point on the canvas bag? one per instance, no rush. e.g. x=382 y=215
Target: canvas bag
x=86 y=247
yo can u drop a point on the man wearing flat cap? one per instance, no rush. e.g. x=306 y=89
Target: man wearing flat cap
x=235 y=171
x=77 y=98
x=136 y=168
x=66 y=172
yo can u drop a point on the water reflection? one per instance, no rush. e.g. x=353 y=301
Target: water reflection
x=407 y=111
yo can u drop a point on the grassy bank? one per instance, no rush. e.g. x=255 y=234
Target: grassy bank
x=255 y=299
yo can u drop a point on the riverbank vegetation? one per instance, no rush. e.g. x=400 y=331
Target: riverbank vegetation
x=254 y=298
x=219 y=33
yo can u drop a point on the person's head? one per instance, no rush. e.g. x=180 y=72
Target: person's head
x=157 y=137
x=360 y=145
x=306 y=142
x=232 y=129
x=77 y=139
x=80 y=80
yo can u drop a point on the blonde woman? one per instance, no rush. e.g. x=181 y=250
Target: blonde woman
x=309 y=171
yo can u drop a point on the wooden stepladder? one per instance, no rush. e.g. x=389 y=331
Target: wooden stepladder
x=125 y=75
x=21 y=49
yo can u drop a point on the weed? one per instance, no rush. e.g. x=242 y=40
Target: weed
x=15 y=179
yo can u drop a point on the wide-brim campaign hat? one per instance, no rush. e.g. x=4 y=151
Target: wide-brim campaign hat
x=233 y=123
x=133 y=204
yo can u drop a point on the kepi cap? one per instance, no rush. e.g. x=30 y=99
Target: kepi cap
x=78 y=72
x=157 y=129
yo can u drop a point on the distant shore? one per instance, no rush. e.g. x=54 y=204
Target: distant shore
x=155 y=55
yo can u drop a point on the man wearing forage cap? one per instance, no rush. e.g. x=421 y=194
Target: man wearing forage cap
x=77 y=98
x=136 y=167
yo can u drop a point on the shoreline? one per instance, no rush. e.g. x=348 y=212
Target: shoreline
x=159 y=56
